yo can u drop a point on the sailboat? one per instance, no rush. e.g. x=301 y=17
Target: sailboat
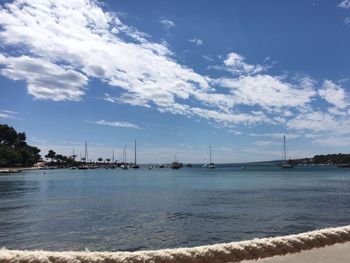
x=176 y=165
x=124 y=166
x=210 y=165
x=286 y=164
x=135 y=166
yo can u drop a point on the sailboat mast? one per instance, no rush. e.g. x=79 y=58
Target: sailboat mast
x=210 y=154
x=284 y=148
x=125 y=153
x=135 y=153
x=85 y=156
x=113 y=156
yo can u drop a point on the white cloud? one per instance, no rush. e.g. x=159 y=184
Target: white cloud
x=8 y=114
x=236 y=64
x=167 y=23
x=252 y=118
x=121 y=124
x=196 y=41
x=128 y=98
x=334 y=94
x=275 y=135
x=266 y=91
x=321 y=123
x=345 y=4
x=45 y=80
x=265 y=143
x=65 y=43
x=208 y=58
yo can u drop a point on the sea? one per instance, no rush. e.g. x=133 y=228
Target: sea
x=142 y=209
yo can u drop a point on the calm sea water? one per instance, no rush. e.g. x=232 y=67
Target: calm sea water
x=163 y=208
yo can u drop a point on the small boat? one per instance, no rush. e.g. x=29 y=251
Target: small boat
x=286 y=164
x=189 y=165
x=176 y=165
x=124 y=167
x=135 y=166
x=210 y=165
x=161 y=166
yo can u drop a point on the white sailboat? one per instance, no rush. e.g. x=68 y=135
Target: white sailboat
x=210 y=165
x=286 y=164
x=124 y=165
x=135 y=166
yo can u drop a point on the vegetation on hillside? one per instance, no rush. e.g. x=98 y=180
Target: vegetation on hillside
x=14 y=151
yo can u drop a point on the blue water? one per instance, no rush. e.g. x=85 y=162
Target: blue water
x=163 y=208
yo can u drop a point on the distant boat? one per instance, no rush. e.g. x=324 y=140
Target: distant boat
x=135 y=166
x=286 y=164
x=161 y=166
x=176 y=164
x=124 y=167
x=210 y=165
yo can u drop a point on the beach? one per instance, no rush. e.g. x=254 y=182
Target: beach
x=337 y=253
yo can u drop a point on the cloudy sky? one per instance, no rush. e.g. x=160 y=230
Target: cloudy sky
x=178 y=76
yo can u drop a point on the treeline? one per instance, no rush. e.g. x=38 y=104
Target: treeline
x=57 y=159
x=14 y=151
x=339 y=158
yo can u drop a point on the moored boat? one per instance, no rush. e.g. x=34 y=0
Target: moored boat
x=286 y=164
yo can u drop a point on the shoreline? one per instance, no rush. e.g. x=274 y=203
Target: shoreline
x=5 y=170
x=228 y=252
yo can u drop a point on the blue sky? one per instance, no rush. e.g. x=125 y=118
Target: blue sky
x=178 y=76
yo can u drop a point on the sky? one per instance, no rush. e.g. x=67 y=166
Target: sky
x=178 y=76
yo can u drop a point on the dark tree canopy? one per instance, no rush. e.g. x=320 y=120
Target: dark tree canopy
x=51 y=155
x=14 y=151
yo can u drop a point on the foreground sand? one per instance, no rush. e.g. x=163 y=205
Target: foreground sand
x=337 y=253
x=228 y=252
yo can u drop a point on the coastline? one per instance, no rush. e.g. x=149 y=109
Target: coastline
x=16 y=169
x=228 y=252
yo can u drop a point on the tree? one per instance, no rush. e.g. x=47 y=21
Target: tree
x=14 y=151
x=51 y=155
x=99 y=159
x=108 y=160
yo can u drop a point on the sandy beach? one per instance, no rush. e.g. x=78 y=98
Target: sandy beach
x=330 y=254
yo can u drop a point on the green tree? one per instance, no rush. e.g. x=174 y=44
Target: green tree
x=14 y=151
x=51 y=155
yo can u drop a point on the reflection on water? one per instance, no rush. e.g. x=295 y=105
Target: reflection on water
x=159 y=208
